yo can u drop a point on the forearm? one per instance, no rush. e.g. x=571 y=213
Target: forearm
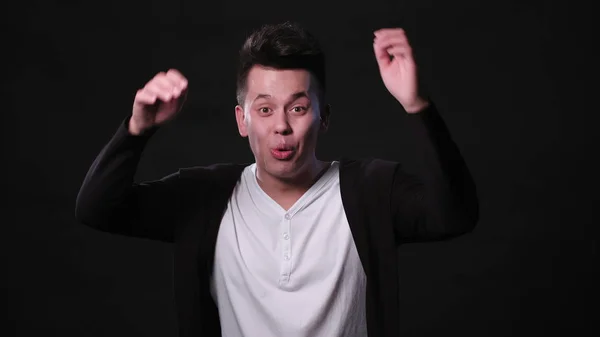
x=444 y=202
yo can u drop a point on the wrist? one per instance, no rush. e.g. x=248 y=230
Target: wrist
x=135 y=128
x=416 y=106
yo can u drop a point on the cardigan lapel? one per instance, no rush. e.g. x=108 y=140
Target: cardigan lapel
x=350 y=187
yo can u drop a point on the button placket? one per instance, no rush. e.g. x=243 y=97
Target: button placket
x=287 y=249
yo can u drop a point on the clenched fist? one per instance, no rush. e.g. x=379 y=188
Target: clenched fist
x=158 y=101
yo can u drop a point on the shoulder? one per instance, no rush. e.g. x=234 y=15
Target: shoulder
x=202 y=181
x=367 y=167
x=368 y=176
x=366 y=182
x=214 y=172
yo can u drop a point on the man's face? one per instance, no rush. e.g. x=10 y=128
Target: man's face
x=281 y=117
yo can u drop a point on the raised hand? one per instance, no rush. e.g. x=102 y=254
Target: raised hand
x=397 y=67
x=158 y=101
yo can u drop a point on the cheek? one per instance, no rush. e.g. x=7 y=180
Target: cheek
x=309 y=130
x=256 y=135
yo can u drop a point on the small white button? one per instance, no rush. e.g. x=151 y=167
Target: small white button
x=286 y=236
x=286 y=257
x=287 y=216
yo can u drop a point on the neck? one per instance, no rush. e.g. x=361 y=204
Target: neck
x=292 y=187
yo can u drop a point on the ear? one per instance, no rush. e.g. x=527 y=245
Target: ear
x=325 y=114
x=240 y=118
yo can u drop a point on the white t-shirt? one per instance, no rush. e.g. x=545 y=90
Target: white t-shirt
x=292 y=274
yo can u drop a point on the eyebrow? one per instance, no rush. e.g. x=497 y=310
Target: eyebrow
x=295 y=96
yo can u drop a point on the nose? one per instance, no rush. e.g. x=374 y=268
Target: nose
x=282 y=124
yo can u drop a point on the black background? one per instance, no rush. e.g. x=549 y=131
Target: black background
x=513 y=81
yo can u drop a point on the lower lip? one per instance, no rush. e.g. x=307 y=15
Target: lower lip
x=282 y=155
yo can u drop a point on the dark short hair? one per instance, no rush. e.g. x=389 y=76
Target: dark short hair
x=281 y=46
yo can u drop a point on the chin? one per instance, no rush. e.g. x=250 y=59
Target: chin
x=282 y=169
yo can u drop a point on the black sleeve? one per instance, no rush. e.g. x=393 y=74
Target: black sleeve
x=439 y=201
x=110 y=201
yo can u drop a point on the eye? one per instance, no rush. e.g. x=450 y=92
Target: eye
x=299 y=109
x=264 y=110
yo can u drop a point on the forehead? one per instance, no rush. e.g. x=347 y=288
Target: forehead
x=278 y=83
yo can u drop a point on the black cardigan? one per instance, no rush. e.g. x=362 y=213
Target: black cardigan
x=385 y=207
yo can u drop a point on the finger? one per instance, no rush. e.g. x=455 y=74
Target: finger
x=383 y=58
x=145 y=97
x=167 y=85
x=390 y=31
x=155 y=89
x=177 y=86
x=390 y=41
x=177 y=78
x=393 y=42
x=400 y=51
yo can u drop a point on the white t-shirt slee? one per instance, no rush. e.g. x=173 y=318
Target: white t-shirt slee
x=294 y=273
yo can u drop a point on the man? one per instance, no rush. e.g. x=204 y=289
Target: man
x=288 y=245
